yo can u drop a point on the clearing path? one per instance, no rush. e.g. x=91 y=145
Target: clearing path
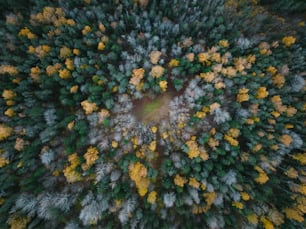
x=153 y=110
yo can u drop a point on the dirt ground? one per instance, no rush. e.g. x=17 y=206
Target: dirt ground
x=153 y=110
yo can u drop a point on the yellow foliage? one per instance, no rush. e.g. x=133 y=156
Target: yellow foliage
x=257 y=147
x=89 y=107
x=253 y=218
x=210 y=197
x=262 y=93
x=243 y=95
x=5 y=132
x=275 y=114
x=224 y=43
x=157 y=71
x=91 y=156
x=173 y=63
x=286 y=139
x=163 y=85
x=233 y=132
x=291 y=111
x=229 y=71
x=69 y=64
x=271 y=70
x=231 y=140
x=25 y=32
x=18 y=222
x=101 y=46
x=155 y=56
x=35 y=72
x=154 y=129
x=262 y=178
x=213 y=107
x=19 y=144
x=71 y=175
x=3 y=161
x=294 y=214
x=74 y=160
x=278 y=80
x=74 y=89
x=76 y=52
x=53 y=69
x=245 y=196
x=292 y=173
x=103 y=114
x=114 y=144
x=86 y=30
x=8 y=94
x=213 y=143
x=193 y=149
x=220 y=85
x=65 y=52
x=267 y=224
x=204 y=155
x=152 y=197
x=203 y=57
x=137 y=75
x=179 y=181
x=8 y=69
x=216 y=57
x=301 y=157
x=152 y=146
x=64 y=73
x=10 y=112
x=102 y=28
x=288 y=41
x=70 y=125
x=193 y=182
x=238 y=205
x=138 y=173
x=190 y=57
x=208 y=76
x=69 y=171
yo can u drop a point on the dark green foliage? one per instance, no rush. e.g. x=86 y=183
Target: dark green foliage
x=53 y=131
x=286 y=6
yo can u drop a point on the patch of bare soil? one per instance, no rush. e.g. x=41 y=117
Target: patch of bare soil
x=149 y=110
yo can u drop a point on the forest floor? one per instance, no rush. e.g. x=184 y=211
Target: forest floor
x=149 y=110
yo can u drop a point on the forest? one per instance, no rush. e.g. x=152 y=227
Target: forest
x=152 y=114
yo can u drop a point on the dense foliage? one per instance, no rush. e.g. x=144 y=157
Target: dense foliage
x=286 y=6
x=77 y=152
